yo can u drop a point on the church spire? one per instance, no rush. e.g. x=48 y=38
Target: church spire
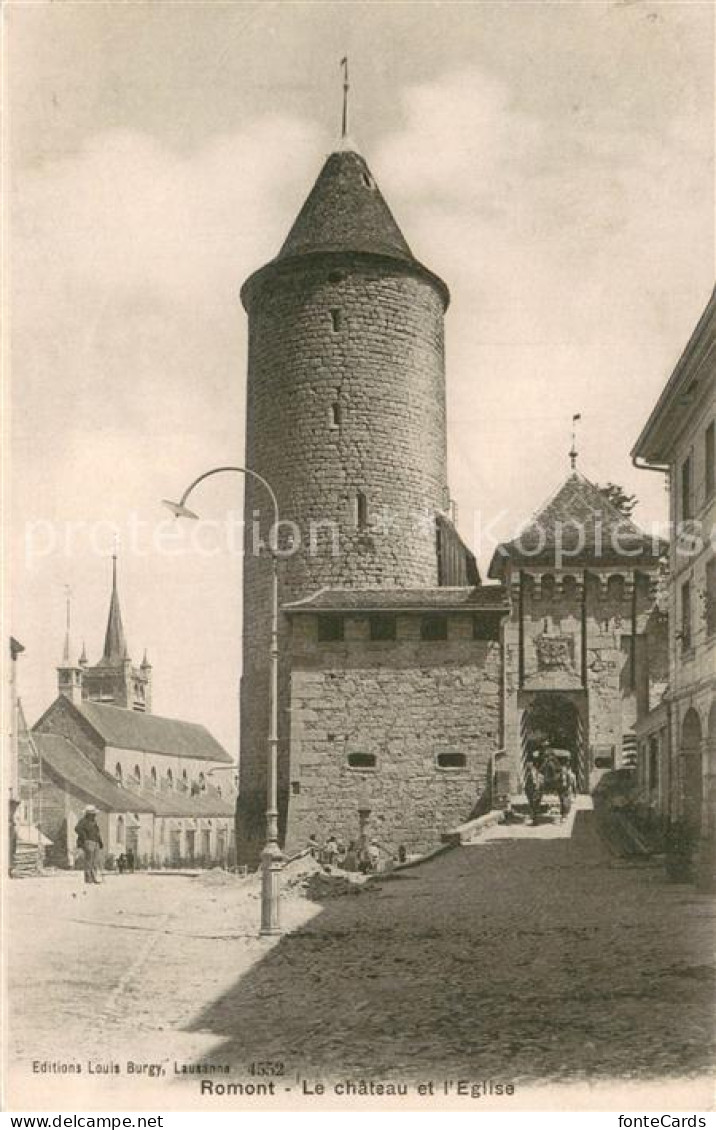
x=68 y=614
x=115 y=645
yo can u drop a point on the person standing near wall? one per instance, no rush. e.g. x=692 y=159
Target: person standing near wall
x=89 y=841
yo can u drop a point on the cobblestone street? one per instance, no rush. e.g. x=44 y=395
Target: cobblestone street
x=524 y=961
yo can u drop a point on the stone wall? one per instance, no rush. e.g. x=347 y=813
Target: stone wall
x=345 y=398
x=404 y=701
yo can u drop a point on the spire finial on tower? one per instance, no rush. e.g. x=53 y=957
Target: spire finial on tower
x=68 y=621
x=574 y=453
x=115 y=645
x=346 y=88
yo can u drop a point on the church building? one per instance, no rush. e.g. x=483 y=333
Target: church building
x=163 y=788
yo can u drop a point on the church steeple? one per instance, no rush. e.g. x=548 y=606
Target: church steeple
x=115 y=644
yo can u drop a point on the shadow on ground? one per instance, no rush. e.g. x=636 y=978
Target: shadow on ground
x=515 y=960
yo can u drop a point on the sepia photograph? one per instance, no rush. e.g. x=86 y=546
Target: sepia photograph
x=359 y=557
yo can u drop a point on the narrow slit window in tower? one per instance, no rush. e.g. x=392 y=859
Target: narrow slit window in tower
x=361 y=510
x=336 y=320
x=334 y=416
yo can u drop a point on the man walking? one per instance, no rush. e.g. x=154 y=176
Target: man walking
x=89 y=841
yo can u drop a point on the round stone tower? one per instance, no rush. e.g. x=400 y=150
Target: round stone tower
x=346 y=420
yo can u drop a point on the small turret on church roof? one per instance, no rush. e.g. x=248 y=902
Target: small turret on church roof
x=577 y=526
x=115 y=644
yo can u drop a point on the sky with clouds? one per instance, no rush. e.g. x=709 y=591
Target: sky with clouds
x=552 y=162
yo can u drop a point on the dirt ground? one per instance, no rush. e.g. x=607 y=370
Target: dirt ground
x=518 y=960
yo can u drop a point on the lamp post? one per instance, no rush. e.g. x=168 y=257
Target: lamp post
x=271 y=857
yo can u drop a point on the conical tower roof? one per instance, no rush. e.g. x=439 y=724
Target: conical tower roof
x=577 y=526
x=346 y=211
x=115 y=644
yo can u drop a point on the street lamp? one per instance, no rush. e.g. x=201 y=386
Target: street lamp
x=271 y=857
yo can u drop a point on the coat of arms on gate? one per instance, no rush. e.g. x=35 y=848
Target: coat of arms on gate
x=554 y=653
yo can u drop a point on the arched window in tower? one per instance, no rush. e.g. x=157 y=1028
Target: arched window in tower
x=137 y=775
x=202 y=782
x=185 y=781
x=336 y=319
x=153 y=777
x=170 y=779
x=118 y=772
x=361 y=510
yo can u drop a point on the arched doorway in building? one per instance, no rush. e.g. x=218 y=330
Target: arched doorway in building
x=691 y=770
x=557 y=718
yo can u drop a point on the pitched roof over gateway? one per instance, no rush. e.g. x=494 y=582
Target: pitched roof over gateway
x=133 y=729
x=577 y=526
x=477 y=598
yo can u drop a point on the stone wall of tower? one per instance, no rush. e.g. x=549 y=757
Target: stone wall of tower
x=346 y=398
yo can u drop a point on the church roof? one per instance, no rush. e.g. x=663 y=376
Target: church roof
x=132 y=729
x=67 y=763
x=115 y=644
x=476 y=598
x=345 y=211
x=577 y=526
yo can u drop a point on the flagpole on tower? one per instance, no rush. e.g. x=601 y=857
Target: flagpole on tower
x=346 y=87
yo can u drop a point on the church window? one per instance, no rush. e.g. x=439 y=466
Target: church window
x=202 y=782
x=433 y=627
x=137 y=774
x=382 y=627
x=153 y=777
x=330 y=628
x=334 y=417
x=170 y=779
x=486 y=626
x=361 y=510
x=451 y=759
x=185 y=780
x=336 y=320
x=362 y=761
x=118 y=772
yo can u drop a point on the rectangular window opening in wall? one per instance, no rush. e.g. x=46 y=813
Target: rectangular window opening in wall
x=336 y=320
x=686 y=506
x=295 y=787
x=382 y=627
x=330 y=628
x=710 y=610
x=434 y=627
x=486 y=626
x=362 y=761
x=451 y=759
x=709 y=457
x=361 y=510
x=686 y=616
x=334 y=416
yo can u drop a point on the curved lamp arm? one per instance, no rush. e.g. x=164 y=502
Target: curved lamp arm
x=181 y=510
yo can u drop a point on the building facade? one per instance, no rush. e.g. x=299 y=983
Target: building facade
x=678 y=740
x=583 y=649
